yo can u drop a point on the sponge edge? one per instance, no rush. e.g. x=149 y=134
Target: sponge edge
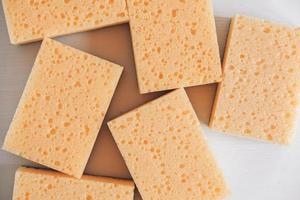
x=260 y=91
x=37 y=184
x=62 y=108
x=166 y=152
x=175 y=44
x=29 y=21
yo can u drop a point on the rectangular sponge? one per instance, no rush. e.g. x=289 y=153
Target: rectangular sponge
x=39 y=184
x=62 y=108
x=32 y=20
x=166 y=152
x=259 y=93
x=175 y=43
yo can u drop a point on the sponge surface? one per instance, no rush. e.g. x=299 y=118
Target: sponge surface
x=166 y=152
x=62 y=108
x=38 y=184
x=175 y=43
x=259 y=94
x=32 y=20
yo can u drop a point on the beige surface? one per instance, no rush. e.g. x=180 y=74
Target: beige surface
x=111 y=43
x=165 y=150
x=175 y=43
x=32 y=20
x=260 y=91
x=62 y=108
x=37 y=184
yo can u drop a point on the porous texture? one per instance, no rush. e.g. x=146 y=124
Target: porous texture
x=38 y=184
x=174 y=42
x=166 y=152
x=32 y=20
x=62 y=107
x=259 y=94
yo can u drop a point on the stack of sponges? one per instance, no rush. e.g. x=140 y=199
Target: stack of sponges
x=175 y=45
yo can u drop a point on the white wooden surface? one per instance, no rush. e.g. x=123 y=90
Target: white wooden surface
x=254 y=170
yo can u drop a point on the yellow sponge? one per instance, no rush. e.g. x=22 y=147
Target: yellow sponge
x=32 y=20
x=166 y=152
x=259 y=94
x=62 y=107
x=175 y=43
x=38 y=184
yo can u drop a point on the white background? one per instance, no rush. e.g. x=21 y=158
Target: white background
x=283 y=11
x=254 y=170
x=257 y=170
